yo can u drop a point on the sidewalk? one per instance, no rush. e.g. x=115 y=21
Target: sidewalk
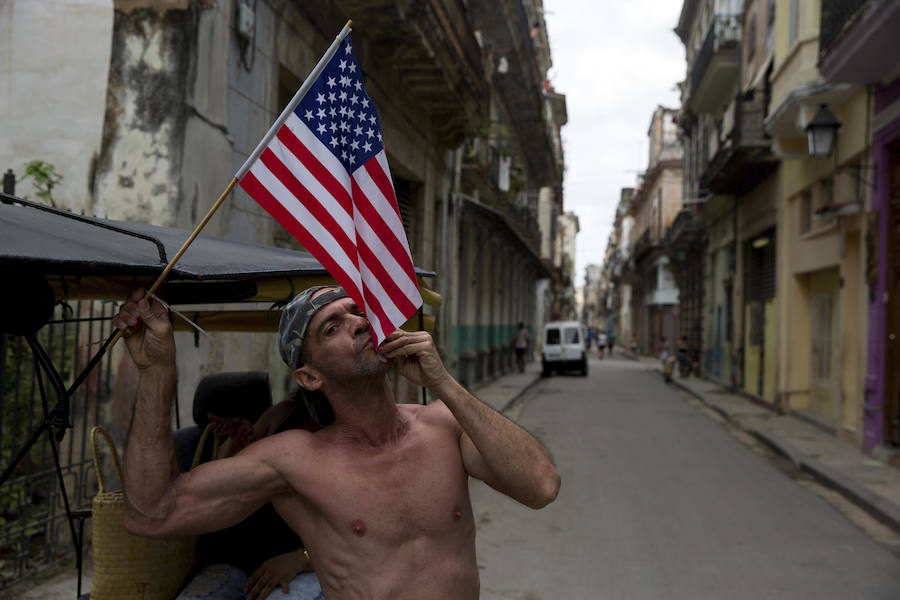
x=506 y=389
x=837 y=464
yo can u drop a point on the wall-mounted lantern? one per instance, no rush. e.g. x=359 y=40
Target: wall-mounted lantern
x=822 y=133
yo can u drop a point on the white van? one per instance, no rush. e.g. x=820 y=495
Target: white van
x=563 y=348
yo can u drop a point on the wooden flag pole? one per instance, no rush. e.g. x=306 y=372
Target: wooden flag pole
x=184 y=247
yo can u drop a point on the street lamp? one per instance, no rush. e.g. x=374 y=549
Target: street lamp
x=822 y=131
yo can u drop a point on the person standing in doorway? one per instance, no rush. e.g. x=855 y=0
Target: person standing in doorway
x=522 y=341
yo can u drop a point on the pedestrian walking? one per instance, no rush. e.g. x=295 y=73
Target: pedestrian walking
x=668 y=361
x=601 y=343
x=522 y=341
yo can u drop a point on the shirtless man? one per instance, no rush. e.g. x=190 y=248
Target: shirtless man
x=380 y=496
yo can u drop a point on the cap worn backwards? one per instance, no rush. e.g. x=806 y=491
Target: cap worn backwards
x=296 y=317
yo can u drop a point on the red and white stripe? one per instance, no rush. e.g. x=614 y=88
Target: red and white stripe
x=349 y=222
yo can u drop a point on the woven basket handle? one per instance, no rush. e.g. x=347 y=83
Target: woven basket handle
x=202 y=444
x=95 y=431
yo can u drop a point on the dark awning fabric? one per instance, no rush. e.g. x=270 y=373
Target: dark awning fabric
x=91 y=257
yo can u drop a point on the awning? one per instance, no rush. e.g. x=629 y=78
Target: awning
x=92 y=258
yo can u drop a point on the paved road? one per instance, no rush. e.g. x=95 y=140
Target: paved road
x=659 y=501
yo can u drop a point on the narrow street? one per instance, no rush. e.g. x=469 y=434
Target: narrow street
x=658 y=500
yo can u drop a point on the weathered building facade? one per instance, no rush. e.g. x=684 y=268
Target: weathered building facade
x=858 y=46
x=509 y=174
x=797 y=248
x=654 y=206
x=820 y=231
x=563 y=302
x=710 y=33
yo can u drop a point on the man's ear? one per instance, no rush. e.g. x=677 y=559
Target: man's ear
x=308 y=378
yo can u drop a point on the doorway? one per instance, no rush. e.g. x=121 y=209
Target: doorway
x=823 y=287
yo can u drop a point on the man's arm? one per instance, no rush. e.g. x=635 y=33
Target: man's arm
x=494 y=449
x=161 y=501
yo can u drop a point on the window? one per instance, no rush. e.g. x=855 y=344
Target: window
x=805 y=211
x=759 y=268
x=572 y=335
x=405 y=203
x=552 y=337
x=829 y=191
x=820 y=327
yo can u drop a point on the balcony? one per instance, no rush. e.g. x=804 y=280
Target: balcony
x=715 y=70
x=643 y=246
x=433 y=49
x=858 y=41
x=742 y=155
x=685 y=236
x=519 y=216
x=505 y=29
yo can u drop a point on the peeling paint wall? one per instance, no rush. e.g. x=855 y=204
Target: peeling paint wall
x=137 y=173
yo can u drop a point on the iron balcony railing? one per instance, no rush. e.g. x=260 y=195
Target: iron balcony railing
x=835 y=15
x=724 y=32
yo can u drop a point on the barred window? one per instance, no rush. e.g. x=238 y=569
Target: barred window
x=805 y=211
x=821 y=325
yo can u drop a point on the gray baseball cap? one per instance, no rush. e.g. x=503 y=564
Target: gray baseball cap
x=297 y=315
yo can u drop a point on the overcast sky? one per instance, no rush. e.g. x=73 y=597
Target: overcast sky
x=615 y=61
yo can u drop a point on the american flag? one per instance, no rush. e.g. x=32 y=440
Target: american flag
x=324 y=176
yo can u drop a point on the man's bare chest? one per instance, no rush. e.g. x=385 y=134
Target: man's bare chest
x=417 y=488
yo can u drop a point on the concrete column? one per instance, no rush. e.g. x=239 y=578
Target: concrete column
x=496 y=251
x=482 y=306
x=467 y=323
x=427 y=239
x=507 y=318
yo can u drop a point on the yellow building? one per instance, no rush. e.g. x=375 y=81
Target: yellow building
x=821 y=310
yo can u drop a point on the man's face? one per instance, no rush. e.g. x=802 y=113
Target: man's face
x=338 y=342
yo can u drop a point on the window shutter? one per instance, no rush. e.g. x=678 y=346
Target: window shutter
x=403 y=189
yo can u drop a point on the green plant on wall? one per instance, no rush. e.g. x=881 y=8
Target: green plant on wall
x=44 y=177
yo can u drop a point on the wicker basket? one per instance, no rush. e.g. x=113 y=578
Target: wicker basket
x=131 y=567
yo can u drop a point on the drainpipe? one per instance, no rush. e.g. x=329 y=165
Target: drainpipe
x=836 y=355
x=733 y=300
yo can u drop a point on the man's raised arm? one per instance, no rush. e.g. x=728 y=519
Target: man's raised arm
x=159 y=500
x=494 y=449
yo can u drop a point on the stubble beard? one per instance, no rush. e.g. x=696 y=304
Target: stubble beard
x=365 y=364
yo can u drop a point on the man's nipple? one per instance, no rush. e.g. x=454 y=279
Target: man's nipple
x=358 y=527
x=457 y=513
